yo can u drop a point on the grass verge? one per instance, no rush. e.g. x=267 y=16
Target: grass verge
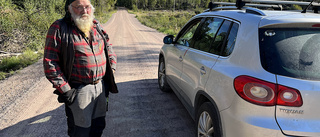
x=165 y=21
x=10 y=65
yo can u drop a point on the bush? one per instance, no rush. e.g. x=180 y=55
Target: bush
x=10 y=18
x=134 y=8
x=29 y=19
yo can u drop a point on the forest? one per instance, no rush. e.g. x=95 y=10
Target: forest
x=165 y=4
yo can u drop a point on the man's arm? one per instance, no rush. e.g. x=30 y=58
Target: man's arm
x=111 y=53
x=51 y=59
x=112 y=56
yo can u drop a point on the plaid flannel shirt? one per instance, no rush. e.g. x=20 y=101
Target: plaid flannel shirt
x=89 y=61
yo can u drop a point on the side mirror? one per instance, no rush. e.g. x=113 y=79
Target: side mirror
x=168 y=39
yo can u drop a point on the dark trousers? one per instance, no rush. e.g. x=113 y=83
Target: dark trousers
x=86 y=115
x=96 y=129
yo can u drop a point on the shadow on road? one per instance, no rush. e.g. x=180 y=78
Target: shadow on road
x=51 y=123
x=140 y=109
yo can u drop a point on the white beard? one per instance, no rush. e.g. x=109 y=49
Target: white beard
x=84 y=22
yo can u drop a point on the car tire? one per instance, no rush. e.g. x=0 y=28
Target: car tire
x=162 y=80
x=207 y=121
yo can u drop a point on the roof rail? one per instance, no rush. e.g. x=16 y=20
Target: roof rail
x=275 y=7
x=248 y=10
x=274 y=4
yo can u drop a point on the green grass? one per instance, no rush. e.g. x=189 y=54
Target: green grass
x=104 y=17
x=167 y=22
x=11 y=64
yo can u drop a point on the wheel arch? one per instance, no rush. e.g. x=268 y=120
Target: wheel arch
x=161 y=55
x=201 y=98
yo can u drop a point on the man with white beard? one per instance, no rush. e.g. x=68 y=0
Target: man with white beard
x=79 y=62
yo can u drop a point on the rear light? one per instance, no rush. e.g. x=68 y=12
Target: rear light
x=316 y=25
x=289 y=97
x=266 y=93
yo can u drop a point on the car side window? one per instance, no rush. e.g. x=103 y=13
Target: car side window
x=220 y=37
x=207 y=33
x=231 y=40
x=186 y=37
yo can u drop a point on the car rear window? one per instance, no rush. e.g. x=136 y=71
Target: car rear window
x=292 y=52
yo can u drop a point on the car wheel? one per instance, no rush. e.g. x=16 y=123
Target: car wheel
x=162 y=81
x=207 y=121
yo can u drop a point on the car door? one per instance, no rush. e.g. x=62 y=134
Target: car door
x=176 y=52
x=199 y=59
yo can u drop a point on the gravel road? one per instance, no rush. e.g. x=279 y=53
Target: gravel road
x=29 y=109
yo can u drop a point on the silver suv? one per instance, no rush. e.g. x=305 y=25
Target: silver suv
x=246 y=72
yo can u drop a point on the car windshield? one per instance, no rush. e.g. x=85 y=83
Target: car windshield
x=292 y=52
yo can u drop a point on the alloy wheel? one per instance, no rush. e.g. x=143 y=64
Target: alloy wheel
x=205 y=125
x=161 y=74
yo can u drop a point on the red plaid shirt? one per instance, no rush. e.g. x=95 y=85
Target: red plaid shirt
x=89 y=62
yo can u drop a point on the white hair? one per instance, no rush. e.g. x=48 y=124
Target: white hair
x=83 y=24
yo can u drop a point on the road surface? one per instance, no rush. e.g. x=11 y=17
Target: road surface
x=29 y=109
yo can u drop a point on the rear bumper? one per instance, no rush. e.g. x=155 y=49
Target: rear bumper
x=243 y=119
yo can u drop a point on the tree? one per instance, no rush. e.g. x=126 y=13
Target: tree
x=152 y=4
x=197 y=3
x=162 y=3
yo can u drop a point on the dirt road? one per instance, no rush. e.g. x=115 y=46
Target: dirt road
x=29 y=109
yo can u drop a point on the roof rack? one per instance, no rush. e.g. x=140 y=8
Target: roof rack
x=248 y=10
x=274 y=4
x=275 y=7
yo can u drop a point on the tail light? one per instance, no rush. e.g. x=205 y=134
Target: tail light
x=316 y=25
x=266 y=93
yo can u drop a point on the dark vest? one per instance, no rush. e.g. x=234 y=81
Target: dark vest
x=67 y=52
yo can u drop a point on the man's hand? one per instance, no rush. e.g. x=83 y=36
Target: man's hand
x=68 y=97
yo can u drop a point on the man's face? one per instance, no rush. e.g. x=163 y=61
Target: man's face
x=82 y=14
x=81 y=7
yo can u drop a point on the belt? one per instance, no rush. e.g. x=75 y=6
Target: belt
x=80 y=82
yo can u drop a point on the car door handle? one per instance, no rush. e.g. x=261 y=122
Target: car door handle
x=203 y=71
x=180 y=59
